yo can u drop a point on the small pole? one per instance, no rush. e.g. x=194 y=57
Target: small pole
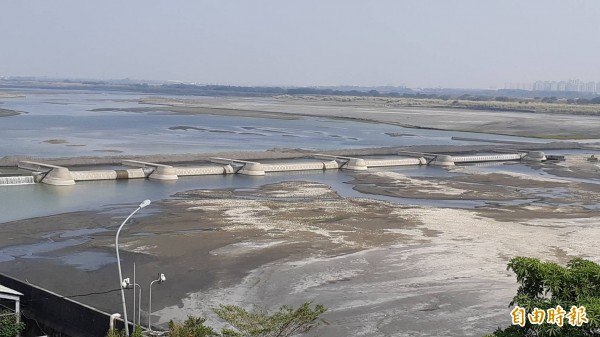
x=150 y=306
x=133 y=316
x=18 y=311
x=140 y=307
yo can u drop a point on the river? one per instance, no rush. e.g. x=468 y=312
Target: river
x=61 y=124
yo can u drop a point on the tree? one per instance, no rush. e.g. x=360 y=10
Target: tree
x=258 y=323
x=9 y=327
x=192 y=327
x=546 y=285
x=138 y=331
x=286 y=322
x=115 y=333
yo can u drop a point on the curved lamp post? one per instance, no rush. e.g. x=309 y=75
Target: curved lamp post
x=161 y=278
x=142 y=205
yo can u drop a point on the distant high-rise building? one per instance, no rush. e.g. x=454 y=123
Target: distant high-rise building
x=562 y=86
x=572 y=85
x=590 y=87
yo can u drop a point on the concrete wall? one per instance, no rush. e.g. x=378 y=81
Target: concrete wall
x=203 y=170
x=300 y=166
x=56 y=315
x=108 y=174
x=493 y=157
x=394 y=162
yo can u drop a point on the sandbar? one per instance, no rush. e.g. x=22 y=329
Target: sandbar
x=378 y=110
x=7 y=112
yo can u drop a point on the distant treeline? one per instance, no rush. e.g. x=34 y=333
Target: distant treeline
x=402 y=92
x=193 y=89
x=225 y=89
x=552 y=99
x=519 y=96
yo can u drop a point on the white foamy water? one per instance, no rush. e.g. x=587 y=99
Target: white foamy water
x=16 y=180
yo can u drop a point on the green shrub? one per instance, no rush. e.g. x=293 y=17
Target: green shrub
x=192 y=327
x=258 y=323
x=9 y=327
x=137 y=332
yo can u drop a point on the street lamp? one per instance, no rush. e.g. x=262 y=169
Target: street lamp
x=142 y=205
x=161 y=278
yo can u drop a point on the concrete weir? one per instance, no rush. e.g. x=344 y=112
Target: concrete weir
x=535 y=156
x=395 y=162
x=204 y=170
x=484 y=158
x=108 y=174
x=49 y=174
x=442 y=160
x=157 y=171
x=301 y=166
x=61 y=176
x=449 y=160
x=249 y=168
x=348 y=163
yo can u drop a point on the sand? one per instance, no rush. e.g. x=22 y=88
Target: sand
x=527 y=124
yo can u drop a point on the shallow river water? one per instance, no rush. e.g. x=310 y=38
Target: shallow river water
x=61 y=124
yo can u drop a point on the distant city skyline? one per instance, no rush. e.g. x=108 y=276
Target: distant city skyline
x=418 y=44
x=574 y=85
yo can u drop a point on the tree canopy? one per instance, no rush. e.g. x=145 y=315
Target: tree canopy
x=556 y=292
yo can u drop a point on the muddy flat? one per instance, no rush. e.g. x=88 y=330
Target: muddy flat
x=380 y=110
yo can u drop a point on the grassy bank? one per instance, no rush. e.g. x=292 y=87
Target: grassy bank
x=523 y=105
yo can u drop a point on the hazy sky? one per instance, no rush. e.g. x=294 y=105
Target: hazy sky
x=418 y=43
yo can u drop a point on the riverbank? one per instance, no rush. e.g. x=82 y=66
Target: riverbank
x=558 y=124
x=482 y=104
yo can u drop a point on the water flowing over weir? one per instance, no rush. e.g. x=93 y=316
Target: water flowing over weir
x=17 y=180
